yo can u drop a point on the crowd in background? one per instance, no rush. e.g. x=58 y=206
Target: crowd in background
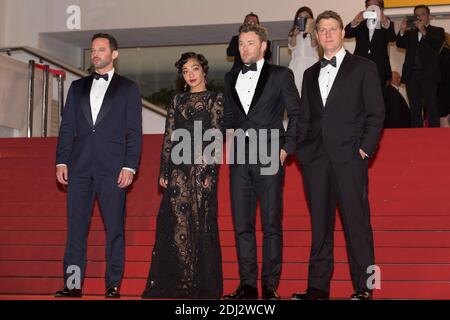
x=426 y=69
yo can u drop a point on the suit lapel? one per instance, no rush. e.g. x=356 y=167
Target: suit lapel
x=108 y=99
x=234 y=93
x=315 y=85
x=86 y=100
x=263 y=77
x=340 y=77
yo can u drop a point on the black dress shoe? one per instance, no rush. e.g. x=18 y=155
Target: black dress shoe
x=69 y=293
x=362 y=295
x=243 y=293
x=311 y=295
x=112 y=293
x=270 y=295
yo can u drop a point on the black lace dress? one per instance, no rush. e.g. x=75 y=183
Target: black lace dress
x=186 y=258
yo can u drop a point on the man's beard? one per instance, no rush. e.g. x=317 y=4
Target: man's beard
x=102 y=64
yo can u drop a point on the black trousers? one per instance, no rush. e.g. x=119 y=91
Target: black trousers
x=326 y=184
x=422 y=92
x=247 y=187
x=81 y=193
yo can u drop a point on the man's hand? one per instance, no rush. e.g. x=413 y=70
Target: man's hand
x=163 y=182
x=358 y=19
x=384 y=20
x=62 y=174
x=420 y=25
x=283 y=156
x=363 y=154
x=125 y=178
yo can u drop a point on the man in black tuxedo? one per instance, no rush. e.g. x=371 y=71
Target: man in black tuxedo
x=256 y=98
x=421 y=72
x=342 y=94
x=233 y=46
x=373 y=43
x=98 y=153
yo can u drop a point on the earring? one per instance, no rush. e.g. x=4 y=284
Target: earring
x=185 y=87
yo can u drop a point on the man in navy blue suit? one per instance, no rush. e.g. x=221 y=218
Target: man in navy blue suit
x=98 y=153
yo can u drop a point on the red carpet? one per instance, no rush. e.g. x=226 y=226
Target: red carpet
x=409 y=185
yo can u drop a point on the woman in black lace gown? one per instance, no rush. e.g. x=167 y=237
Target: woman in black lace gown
x=186 y=258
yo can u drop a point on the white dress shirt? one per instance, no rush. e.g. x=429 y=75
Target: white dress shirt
x=328 y=75
x=246 y=85
x=98 y=91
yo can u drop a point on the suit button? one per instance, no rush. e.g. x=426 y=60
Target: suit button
x=93 y=131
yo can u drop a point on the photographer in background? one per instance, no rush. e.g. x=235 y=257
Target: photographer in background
x=303 y=44
x=233 y=46
x=373 y=32
x=421 y=73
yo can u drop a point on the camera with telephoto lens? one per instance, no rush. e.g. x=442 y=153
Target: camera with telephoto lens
x=410 y=21
x=300 y=23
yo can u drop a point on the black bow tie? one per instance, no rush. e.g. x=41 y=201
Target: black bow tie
x=98 y=76
x=246 y=68
x=324 y=62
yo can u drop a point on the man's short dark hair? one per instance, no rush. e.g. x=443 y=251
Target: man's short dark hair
x=380 y=3
x=112 y=41
x=256 y=28
x=252 y=14
x=422 y=6
x=329 y=15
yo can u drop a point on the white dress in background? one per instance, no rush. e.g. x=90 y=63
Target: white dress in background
x=303 y=56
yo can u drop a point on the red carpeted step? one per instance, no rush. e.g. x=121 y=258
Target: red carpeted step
x=291 y=222
x=339 y=289
x=290 y=254
x=408 y=238
x=291 y=271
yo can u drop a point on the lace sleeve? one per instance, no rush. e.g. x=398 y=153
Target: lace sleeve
x=167 y=142
x=216 y=115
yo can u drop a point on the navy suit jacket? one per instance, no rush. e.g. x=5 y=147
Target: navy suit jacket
x=110 y=144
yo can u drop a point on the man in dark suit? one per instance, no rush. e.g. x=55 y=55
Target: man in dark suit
x=233 y=46
x=342 y=95
x=98 y=153
x=373 y=43
x=256 y=98
x=421 y=67
x=397 y=110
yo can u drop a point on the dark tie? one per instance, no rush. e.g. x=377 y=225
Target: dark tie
x=98 y=76
x=247 y=68
x=324 y=62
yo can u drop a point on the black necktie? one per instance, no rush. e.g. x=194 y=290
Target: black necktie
x=324 y=62
x=246 y=68
x=98 y=76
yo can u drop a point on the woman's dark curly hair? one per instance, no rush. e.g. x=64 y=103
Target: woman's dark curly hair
x=192 y=55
